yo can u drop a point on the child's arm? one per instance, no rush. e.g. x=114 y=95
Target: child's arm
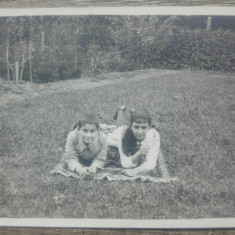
x=126 y=161
x=115 y=140
x=100 y=159
x=151 y=157
x=153 y=140
x=71 y=152
x=142 y=151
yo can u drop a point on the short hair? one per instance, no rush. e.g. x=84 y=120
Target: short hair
x=140 y=116
x=88 y=119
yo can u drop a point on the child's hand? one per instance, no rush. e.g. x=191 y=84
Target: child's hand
x=92 y=169
x=82 y=171
x=131 y=172
x=144 y=148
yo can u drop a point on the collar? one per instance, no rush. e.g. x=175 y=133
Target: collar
x=91 y=146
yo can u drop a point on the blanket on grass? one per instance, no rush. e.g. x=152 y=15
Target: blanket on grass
x=113 y=171
x=161 y=174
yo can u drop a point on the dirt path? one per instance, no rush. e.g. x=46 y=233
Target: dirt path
x=11 y=93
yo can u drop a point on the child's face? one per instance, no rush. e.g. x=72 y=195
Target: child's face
x=140 y=130
x=88 y=133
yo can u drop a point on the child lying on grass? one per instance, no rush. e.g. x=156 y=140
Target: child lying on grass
x=86 y=147
x=138 y=144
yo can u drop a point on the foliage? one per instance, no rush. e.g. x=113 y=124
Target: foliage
x=182 y=48
x=64 y=47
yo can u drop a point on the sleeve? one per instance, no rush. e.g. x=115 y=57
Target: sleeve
x=70 y=152
x=125 y=160
x=151 y=158
x=115 y=140
x=100 y=159
x=113 y=137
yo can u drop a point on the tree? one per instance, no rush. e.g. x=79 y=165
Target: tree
x=15 y=37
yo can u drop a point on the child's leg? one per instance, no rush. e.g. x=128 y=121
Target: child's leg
x=113 y=157
x=120 y=117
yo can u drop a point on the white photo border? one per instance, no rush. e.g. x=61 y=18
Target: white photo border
x=204 y=223
x=120 y=223
x=186 y=11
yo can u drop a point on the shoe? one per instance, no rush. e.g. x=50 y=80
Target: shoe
x=123 y=108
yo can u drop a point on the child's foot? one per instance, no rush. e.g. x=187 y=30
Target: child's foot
x=123 y=108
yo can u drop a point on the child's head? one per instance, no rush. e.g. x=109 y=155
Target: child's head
x=88 y=128
x=140 y=122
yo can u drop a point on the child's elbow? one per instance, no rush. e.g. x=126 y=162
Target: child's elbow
x=126 y=163
x=151 y=165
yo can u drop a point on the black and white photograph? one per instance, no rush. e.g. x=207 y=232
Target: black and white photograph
x=124 y=117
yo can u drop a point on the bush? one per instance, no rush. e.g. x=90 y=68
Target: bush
x=183 y=48
x=70 y=46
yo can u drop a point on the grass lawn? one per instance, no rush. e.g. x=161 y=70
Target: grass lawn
x=194 y=112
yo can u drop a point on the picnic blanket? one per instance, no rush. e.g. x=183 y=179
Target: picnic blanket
x=113 y=170
x=161 y=174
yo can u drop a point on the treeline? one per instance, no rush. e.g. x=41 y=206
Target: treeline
x=49 y=48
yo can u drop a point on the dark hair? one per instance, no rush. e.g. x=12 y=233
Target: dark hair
x=140 y=116
x=129 y=142
x=88 y=119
